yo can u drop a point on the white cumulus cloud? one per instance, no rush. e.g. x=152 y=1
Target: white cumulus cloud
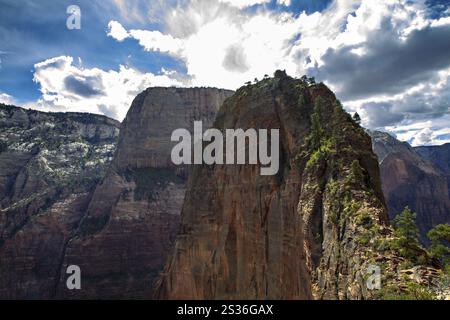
x=6 y=98
x=244 y=3
x=116 y=31
x=369 y=52
x=386 y=59
x=65 y=87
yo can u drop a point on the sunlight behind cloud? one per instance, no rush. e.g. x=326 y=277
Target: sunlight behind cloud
x=364 y=50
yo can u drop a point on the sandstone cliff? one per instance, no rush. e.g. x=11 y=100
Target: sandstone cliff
x=309 y=231
x=50 y=164
x=414 y=177
x=133 y=217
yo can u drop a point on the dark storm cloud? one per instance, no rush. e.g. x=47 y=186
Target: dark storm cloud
x=390 y=64
x=381 y=114
x=428 y=104
x=437 y=8
x=85 y=87
x=235 y=59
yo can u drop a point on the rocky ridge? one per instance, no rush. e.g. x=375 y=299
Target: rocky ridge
x=50 y=164
x=311 y=231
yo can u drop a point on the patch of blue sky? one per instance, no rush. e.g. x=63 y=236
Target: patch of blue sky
x=34 y=31
x=438 y=8
x=443 y=136
x=296 y=6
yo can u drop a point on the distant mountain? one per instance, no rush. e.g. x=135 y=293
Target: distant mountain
x=414 y=177
x=438 y=155
x=50 y=164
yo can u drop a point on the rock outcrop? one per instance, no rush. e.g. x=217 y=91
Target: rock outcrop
x=310 y=231
x=133 y=216
x=50 y=164
x=414 y=177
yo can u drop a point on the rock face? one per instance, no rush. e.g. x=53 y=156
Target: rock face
x=414 y=177
x=133 y=216
x=50 y=164
x=306 y=232
x=438 y=155
x=68 y=196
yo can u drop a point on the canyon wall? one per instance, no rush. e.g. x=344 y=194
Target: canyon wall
x=133 y=217
x=50 y=164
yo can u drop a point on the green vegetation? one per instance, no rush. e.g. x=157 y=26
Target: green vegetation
x=356 y=173
x=412 y=291
x=357 y=118
x=440 y=240
x=407 y=243
x=320 y=145
x=317 y=132
x=334 y=217
x=406 y=233
x=365 y=220
x=322 y=153
x=309 y=81
x=301 y=100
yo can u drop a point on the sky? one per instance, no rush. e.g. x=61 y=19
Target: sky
x=388 y=60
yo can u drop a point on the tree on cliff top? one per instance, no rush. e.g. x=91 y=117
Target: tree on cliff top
x=357 y=118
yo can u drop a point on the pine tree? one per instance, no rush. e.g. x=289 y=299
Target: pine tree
x=440 y=241
x=406 y=233
x=405 y=226
x=356 y=172
x=357 y=118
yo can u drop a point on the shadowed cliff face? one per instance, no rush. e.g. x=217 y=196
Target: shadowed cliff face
x=414 y=177
x=437 y=155
x=132 y=219
x=50 y=164
x=303 y=233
